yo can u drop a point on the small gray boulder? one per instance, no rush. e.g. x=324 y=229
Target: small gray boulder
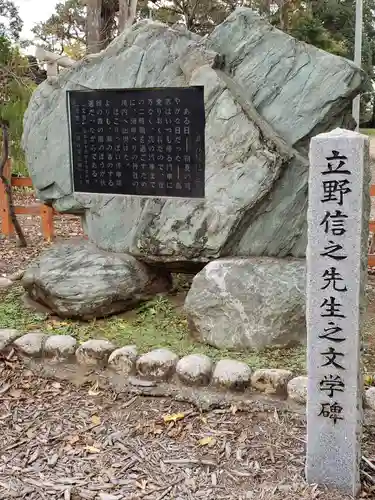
x=77 y=280
x=60 y=346
x=8 y=336
x=17 y=275
x=232 y=374
x=248 y=303
x=297 y=389
x=94 y=352
x=370 y=398
x=158 y=364
x=31 y=344
x=123 y=359
x=271 y=380
x=194 y=369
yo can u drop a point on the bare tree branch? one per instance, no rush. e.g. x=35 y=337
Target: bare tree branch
x=7 y=184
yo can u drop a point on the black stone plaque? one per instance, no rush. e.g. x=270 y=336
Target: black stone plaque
x=145 y=142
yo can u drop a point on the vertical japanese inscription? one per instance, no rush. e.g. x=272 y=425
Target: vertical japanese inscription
x=336 y=253
x=147 y=142
x=335 y=188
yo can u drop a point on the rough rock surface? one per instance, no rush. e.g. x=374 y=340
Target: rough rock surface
x=195 y=369
x=158 y=364
x=123 y=359
x=7 y=336
x=271 y=380
x=370 y=397
x=31 y=344
x=262 y=105
x=60 y=346
x=232 y=374
x=17 y=275
x=248 y=303
x=94 y=352
x=78 y=280
x=297 y=389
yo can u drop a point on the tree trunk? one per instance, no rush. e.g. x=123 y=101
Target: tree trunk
x=107 y=23
x=266 y=8
x=94 y=26
x=284 y=16
x=127 y=13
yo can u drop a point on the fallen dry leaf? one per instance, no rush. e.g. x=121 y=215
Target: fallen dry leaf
x=95 y=419
x=142 y=484
x=15 y=393
x=94 y=391
x=92 y=449
x=207 y=441
x=174 y=417
x=30 y=433
x=73 y=439
x=233 y=409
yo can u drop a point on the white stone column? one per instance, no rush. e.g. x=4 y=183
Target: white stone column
x=338 y=222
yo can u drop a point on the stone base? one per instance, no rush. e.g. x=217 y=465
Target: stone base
x=248 y=303
x=196 y=379
x=77 y=280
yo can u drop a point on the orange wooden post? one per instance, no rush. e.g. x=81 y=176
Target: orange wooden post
x=46 y=215
x=6 y=222
x=371 y=257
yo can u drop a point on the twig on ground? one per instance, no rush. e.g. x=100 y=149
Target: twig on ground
x=190 y=461
x=367 y=461
x=368 y=476
x=165 y=493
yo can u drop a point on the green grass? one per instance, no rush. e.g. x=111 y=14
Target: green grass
x=158 y=323
x=368 y=131
x=19 y=167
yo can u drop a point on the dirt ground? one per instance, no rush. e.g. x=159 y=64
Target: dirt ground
x=14 y=258
x=58 y=441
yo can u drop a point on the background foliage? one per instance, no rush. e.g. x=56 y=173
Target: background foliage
x=18 y=78
x=327 y=24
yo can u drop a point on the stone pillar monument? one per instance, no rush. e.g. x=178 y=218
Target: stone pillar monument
x=338 y=222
